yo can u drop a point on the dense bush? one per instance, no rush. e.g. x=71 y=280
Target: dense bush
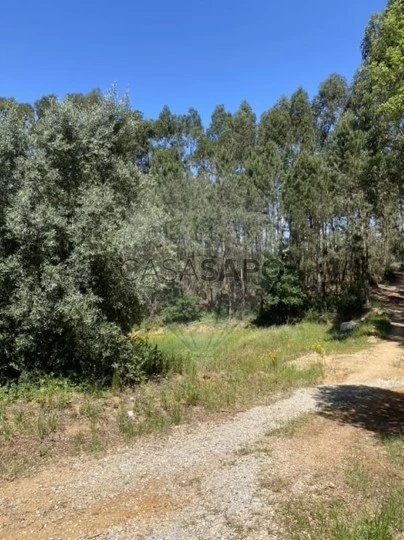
x=184 y=309
x=347 y=306
x=71 y=201
x=284 y=302
x=143 y=359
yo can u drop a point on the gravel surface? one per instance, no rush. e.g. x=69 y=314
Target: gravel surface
x=200 y=481
x=223 y=502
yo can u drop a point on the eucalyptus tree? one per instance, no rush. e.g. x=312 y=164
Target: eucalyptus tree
x=383 y=50
x=302 y=122
x=308 y=208
x=271 y=163
x=329 y=104
x=378 y=105
x=348 y=161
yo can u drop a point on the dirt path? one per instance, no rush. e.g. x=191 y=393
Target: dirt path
x=201 y=481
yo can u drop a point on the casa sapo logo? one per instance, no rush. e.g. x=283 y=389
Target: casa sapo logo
x=209 y=269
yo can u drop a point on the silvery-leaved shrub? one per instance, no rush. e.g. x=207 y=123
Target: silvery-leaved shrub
x=73 y=205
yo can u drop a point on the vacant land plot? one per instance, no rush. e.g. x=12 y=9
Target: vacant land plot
x=214 y=370
x=307 y=462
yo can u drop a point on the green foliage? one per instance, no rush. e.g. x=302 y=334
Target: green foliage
x=144 y=360
x=90 y=192
x=347 y=306
x=382 y=324
x=329 y=104
x=73 y=200
x=185 y=309
x=384 y=51
x=285 y=301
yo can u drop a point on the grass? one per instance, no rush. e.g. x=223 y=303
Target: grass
x=46 y=422
x=385 y=524
x=274 y=483
x=369 y=505
x=290 y=428
x=395 y=448
x=213 y=369
x=333 y=520
x=370 y=508
x=231 y=387
x=382 y=324
x=216 y=348
x=16 y=467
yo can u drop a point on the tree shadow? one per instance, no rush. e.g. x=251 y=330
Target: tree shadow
x=374 y=409
x=396 y=332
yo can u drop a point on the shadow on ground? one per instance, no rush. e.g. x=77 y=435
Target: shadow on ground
x=374 y=409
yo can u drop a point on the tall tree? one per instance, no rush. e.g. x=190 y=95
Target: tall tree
x=383 y=50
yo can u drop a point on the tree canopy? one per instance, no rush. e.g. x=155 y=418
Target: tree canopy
x=107 y=217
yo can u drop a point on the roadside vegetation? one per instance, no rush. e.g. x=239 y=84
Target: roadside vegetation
x=349 y=486
x=209 y=371
x=377 y=515
x=109 y=219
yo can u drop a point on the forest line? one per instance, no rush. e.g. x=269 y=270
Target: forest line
x=312 y=190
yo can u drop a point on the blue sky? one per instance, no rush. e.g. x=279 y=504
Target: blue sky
x=178 y=52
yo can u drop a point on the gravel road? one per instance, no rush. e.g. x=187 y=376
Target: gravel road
x=200 y=481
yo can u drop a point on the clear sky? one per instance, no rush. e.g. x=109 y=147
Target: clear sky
x=182 y=53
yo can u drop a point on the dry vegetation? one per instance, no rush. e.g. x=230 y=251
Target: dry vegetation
x=335 y=481
x=213 y=371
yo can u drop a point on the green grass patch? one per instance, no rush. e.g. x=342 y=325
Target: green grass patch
x=290 y=428
x=226 y=367
x=375 y=514
x=395 y=448
x=221 y=348
x=379 y=325
x=386 y=524
x=333 y=520
x=217 y=368
x=357 y=477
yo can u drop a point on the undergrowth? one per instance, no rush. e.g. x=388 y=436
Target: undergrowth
x=212 y=369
